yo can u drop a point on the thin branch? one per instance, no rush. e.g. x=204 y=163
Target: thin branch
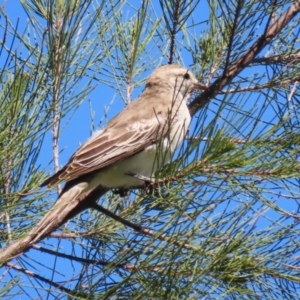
x=41 y=278
x=232 y=34
x=63 y=235
x=73 y=258
x=270 y=84
x=141 y=229
x=277 y=59
x=293 y=91
x=245 y=59
x=57 y=70
x=85 y=260
x=206 y=139
x=128 y=267
x=174 y=30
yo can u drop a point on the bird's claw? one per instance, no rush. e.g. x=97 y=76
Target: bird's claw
x=121 y=191
x=151 y=186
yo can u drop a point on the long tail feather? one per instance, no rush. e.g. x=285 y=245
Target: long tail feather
x=69 y=204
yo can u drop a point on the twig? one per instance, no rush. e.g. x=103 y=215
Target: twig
x=232 y=34
x=141 y=229
x=57 y=73
x=206 y=139
x=280 y=58
x=291 y=94
x=257 y=87
x=41 y=278
x=174 y=30
x=72 y=257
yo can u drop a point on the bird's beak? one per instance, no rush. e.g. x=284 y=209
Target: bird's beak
x=199 y=86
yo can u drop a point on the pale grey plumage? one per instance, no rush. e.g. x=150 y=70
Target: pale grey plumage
x=138 y=140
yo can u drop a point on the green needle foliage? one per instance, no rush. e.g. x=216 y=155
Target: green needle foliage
x=222 y=220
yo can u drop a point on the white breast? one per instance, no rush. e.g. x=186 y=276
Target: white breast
x=148 y=161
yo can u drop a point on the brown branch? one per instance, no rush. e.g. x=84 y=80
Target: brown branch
x=141 y=229
x=174 y=30
x=232 y=33
x=57 y=74
x=84 y=260
x=215 y=170
x=247 y=58
x=205 y=169
x=293 y=91
x=129 y=267
x=280 y=83
x=280 y=58
x=286 y=213
x=63 y=235
x=41 y=278
x=206 y=139
x=74 y=258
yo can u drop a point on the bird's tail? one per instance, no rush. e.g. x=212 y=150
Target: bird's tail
x=70 y=203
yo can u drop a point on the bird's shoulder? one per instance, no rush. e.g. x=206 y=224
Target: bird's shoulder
x=141 y=111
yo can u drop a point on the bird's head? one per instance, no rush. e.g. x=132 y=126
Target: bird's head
x=179 y=78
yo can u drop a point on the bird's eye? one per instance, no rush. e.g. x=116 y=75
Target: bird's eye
x=186 y=76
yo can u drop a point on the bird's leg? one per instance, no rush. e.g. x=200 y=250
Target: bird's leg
x=121 y=191
x=151 y=185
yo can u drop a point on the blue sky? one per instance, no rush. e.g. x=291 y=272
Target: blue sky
x=78 y=128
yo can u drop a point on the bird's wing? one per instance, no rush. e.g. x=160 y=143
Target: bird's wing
x=113 y=144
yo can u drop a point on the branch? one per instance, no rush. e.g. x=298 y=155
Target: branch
x=241 y=63
x=85 y=260
x=41 y=278
x=78 y=259
x=206 y=139
x=232 y=33
x=280 y=83
x=141 y=229
x=280 y=58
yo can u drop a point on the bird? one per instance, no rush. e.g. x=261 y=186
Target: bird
x=139 y=140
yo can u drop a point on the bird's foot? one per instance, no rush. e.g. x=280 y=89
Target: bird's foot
x=151 y=186
x=122 y=192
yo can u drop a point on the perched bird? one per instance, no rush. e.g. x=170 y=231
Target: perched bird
x=139 y=140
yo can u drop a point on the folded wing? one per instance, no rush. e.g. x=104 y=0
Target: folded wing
x=115 y=143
